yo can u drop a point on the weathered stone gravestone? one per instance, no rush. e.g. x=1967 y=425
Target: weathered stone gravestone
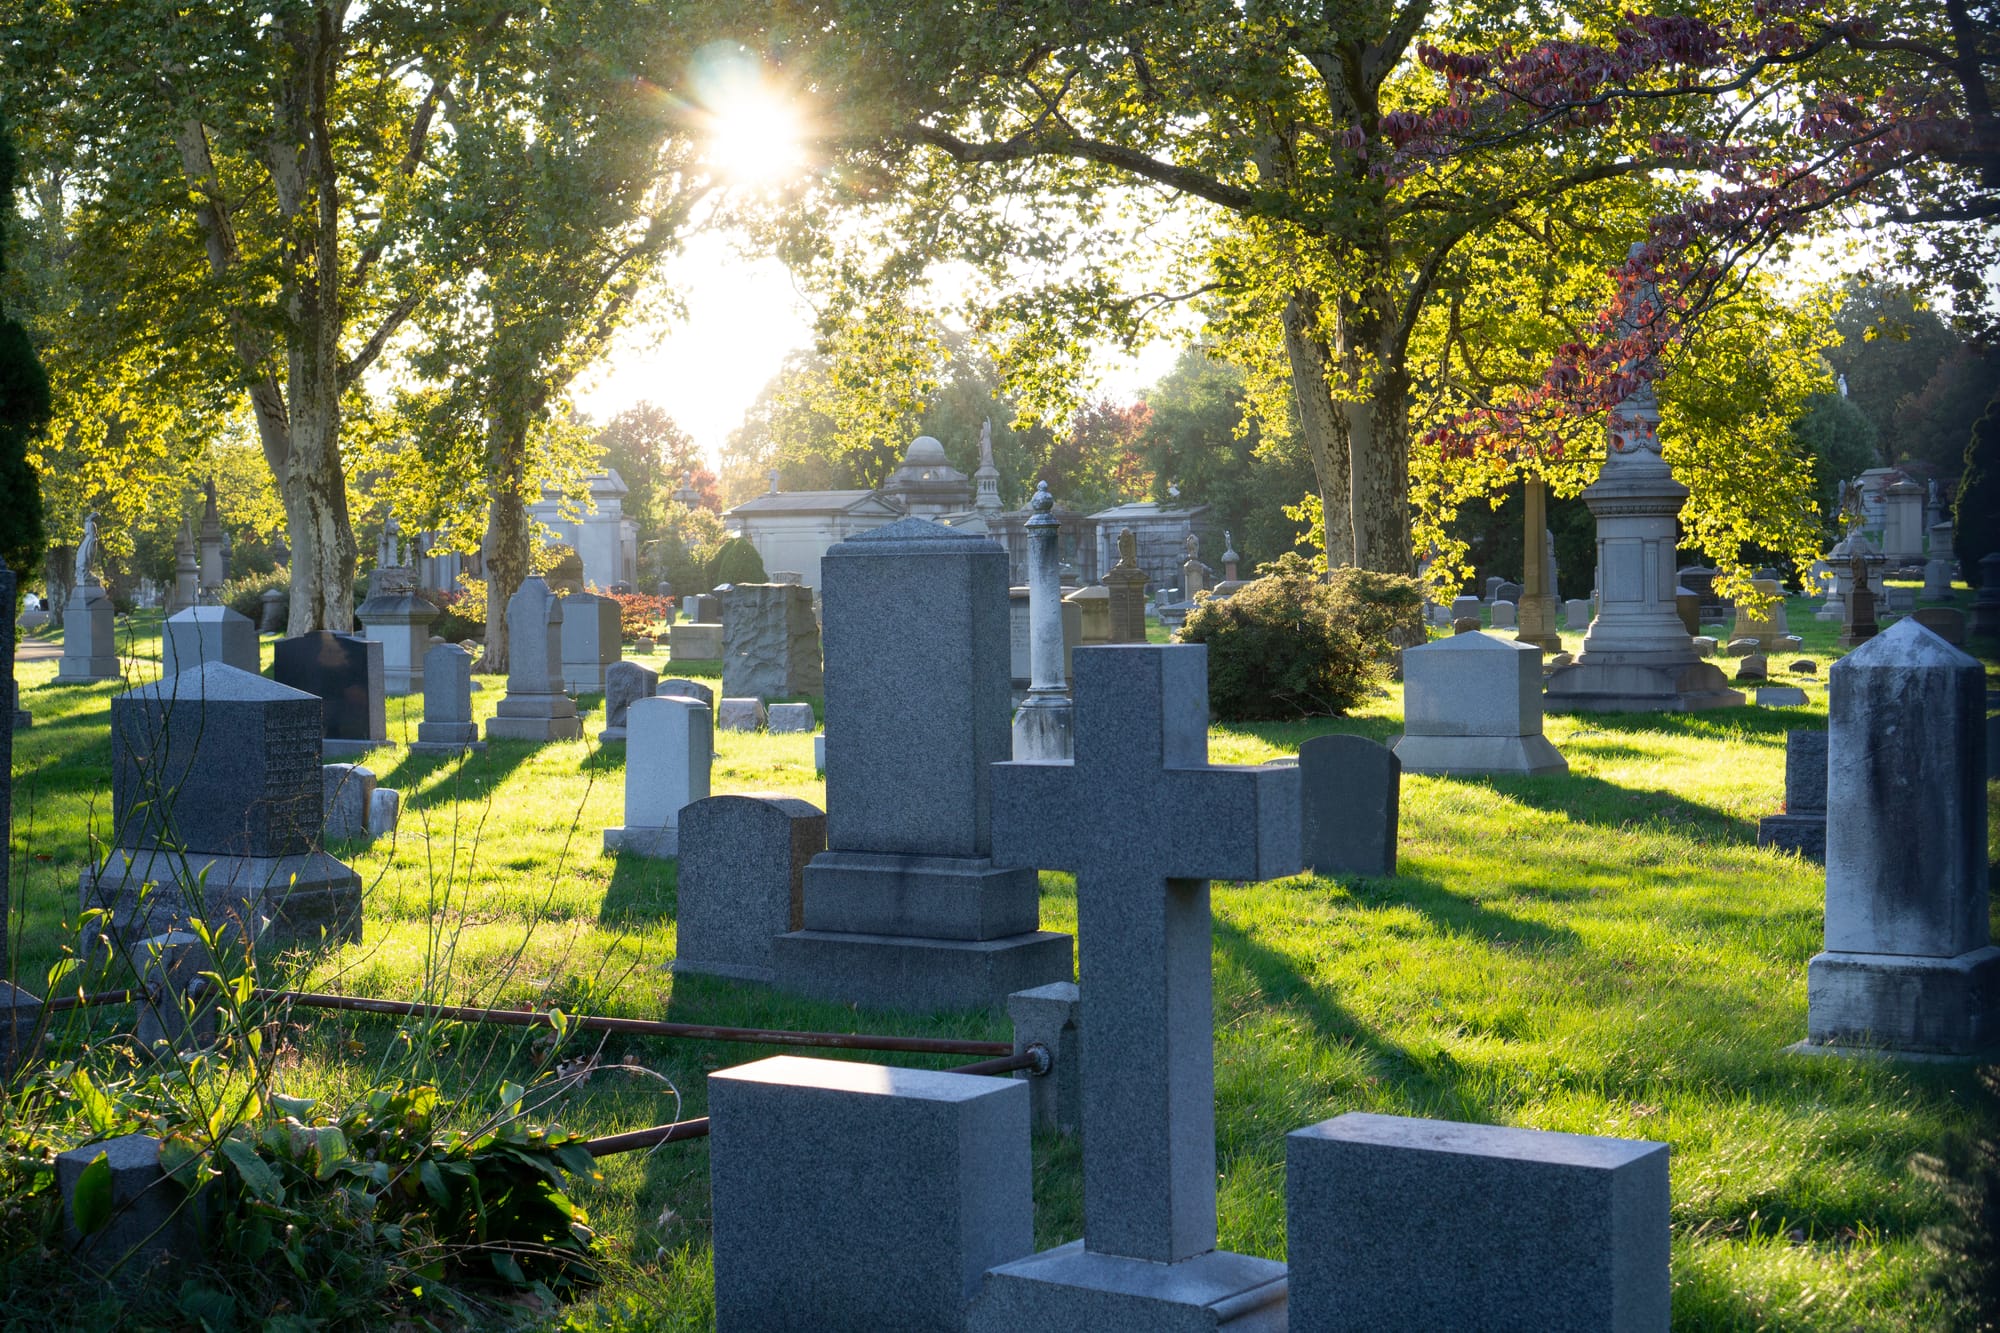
x=208 y=634
x=1767 y=628
x=739 y=715
x=1145 y=822
x=1473 y=704
x=1576 y=614
x=1947 y=622
x=682 y=687
x=905 y=908
x=794 y=719
x=1938 y=569
x=217 y=797
x=590 y=642
x=350 y=790
x=770 y=642
x=400 y=621
x=447 y=726
x=271 y=612
x=152 y=1226
x=536 y=708
x=1802 y=828
x=820 y=1220
x=1462 y=607
x=1349 y=787
x=1857 y=623
x=694 y=643
x=1508 y=592
x=1503 y=614
x=1094 y=613
x=1909 y=963
x=1426 y=1224
x=670 y=745
x=742 y=881
x=625 y=683
x=1125 y=592
x=345 y=672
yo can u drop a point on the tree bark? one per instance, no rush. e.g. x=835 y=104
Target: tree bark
x=504 y=548
x=1321 y=423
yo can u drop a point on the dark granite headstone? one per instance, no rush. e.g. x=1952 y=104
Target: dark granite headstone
x=1348 y=802
x=1802 y=828
x=216 y=760
x=345 y=671
x=742 y=876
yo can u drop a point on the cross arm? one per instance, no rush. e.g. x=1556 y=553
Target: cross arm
x=1233 y=821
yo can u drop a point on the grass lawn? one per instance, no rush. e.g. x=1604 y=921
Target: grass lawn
x=1603 y=953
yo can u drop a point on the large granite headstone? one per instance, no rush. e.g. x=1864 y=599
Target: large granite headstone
x=770 y=642
x=1909 y=963
x=670 y=745
x=1145 y=822
x=1473 y=704
x=535 y=708
x=217 y=799
x=345 y=672
x=590 y=641
x=742 y=881
x=400 y=621
x=208 y=634
x=1802 y=828
x=905 y=908
x=1349 y=787
x=1398 y=1223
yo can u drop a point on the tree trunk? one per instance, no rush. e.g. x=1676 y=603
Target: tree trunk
x=1321 y=423
x=1378 y=439
x=504 y=549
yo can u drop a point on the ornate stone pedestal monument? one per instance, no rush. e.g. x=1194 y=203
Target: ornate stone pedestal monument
x=1637 y=655
x=535 y=709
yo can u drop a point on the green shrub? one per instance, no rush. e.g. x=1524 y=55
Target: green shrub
x=736 y=562
x=1387 y=608
x=1285 y=646
x=245 y=595
x=1976 y=517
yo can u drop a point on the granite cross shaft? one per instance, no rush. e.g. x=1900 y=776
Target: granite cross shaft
x=1145 y=822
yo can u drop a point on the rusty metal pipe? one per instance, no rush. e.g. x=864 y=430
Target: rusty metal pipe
x=644 y=1027
x=58 y=1003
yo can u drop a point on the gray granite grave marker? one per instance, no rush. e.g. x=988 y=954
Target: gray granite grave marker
x=742 y=876
x=1349 y=787
x=624 y=682
x=1145 y=822
x=447 y=727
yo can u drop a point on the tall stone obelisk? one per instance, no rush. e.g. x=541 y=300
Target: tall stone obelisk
x=1537 y=610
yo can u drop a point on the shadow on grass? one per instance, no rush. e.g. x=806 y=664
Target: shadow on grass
x=1708 y=724
x=1588 y=800
x=641 y=890
x=1456 y=914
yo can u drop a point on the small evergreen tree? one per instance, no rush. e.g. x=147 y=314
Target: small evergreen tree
x=24 y=410
x=1976 y=521
x=736 y=561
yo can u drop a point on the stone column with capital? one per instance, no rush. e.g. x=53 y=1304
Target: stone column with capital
x=1042 y=722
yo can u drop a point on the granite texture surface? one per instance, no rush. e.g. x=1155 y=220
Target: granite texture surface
x=1349 y=789
x=1402 y=1223
x=742 y=863
x=858 y=1196
x=345 y=672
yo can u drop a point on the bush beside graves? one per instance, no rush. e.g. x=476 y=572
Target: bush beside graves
x=736 y=562
x=1287 y=645
x=639 y=612
x=245 y=595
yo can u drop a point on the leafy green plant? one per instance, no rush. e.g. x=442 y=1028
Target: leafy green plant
x=1286 y=645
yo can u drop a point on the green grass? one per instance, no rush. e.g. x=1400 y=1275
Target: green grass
x=1602 y=953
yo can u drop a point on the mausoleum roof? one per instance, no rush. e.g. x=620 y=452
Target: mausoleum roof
x=813 y=502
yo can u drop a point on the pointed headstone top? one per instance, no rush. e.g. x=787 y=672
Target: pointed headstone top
x=1905 y=646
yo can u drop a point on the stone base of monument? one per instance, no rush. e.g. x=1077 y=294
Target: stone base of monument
x=447 y=738
x=447 y=747
x=1804 y=834
x=154 y=1228
x=90 y=652
x=905 y=972
x=658 y=843
x=1871 y=1003
x=932 y=897
x=535 y=717
x=1592 y=687
x=1071 y=1287
x=279 y=900
x=1526 y=755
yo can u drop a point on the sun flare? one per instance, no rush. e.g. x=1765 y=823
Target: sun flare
x=755 y=136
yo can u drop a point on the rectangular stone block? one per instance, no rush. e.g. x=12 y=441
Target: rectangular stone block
x=208 y=634
x=742 y=863
x=1405 y=1223
x=670 y=747
x=590 y=641
x=934 y=897
x=694 y=642
x=912 y=974
x=1927 y=1006
x=770 y=641
x=857 y=1196
x=152 y=1220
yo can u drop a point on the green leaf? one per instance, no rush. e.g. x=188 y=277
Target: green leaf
x=504 y=1265
x=433 y=1181
x=96 y=1106
x=257 y=1175
x=91 y=1204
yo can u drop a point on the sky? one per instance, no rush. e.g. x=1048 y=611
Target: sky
x=743 y=315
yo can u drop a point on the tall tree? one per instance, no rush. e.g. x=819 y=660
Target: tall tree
x=1348 y=166
x=249 y=182
x=24 y=410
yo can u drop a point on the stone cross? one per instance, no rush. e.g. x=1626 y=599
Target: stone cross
x=1145 y=822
